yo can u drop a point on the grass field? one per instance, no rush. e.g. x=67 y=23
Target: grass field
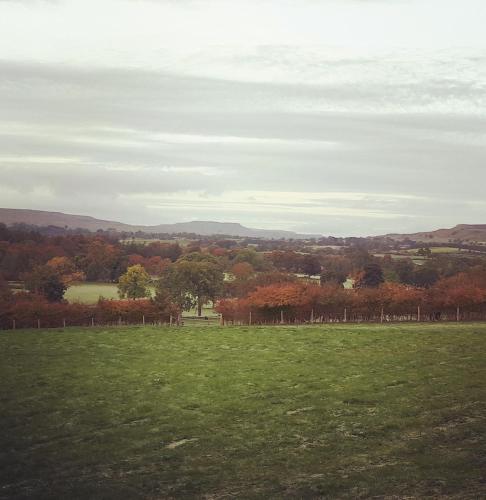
x=89 y=293
x=331 y=412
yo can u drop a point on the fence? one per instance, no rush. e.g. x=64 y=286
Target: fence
x=349 y=316
x=255 y=319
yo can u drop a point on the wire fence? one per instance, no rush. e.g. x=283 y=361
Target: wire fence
x=346 y=317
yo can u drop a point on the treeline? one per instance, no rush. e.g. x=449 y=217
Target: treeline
x=287 y=281
x=459 y=297
x=97 y=257
x=35 y=311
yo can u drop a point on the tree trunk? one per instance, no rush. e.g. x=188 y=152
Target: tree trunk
x=199 y=307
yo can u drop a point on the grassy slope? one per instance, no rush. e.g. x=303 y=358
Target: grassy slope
x=337 y=411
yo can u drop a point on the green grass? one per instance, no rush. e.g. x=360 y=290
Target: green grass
x=183 y=242
x=445 y=250
x=332 y=412
x=89 y=293
x=439 y=250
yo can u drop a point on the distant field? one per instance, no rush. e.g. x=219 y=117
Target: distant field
x=445 y=250
x=89 y=293
x=331 y=412
x=437 y=250
x=182 y=241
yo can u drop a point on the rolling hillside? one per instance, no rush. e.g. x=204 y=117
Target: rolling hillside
x=463 y=232
x=10 y=216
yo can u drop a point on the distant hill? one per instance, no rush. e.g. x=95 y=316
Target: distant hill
x=463 y=232
x=10 y=216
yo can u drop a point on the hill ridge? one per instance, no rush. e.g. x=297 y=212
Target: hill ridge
x=10 y=216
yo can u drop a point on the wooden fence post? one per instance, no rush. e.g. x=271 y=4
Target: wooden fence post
x=281 y=316
x=143 y=319
x=38 y=323
x=345 y=315
x=382 y=317
x=458 y=314
x=312 y=316
x=249 y=319
x=418 y=314
x=92 y=320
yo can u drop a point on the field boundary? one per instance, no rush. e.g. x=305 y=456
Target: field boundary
x=220 y=322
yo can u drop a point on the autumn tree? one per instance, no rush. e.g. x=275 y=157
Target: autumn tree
x=66 y=268
x=242 y=270
x=46 y=281
x=102 y=262
x=134 y=283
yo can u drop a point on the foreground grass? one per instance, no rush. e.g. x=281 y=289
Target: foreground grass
x=332 y=411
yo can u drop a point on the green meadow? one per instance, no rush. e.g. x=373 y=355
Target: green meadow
x=89 y=293
x=335 y=411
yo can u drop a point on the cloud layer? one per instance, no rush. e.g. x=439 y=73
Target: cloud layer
x=350 y=137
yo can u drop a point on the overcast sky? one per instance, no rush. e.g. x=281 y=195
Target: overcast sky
x=344 y=117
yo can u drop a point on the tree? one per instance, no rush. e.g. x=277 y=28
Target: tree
x=404 y=269
x=66 y=268
x=251 y=257
x=46 y=281
x=242 y=270
x=310 y=265
x=370 y=277
x=193 y=280
x=134 y=283
x=424 y=252
x=425 y=277
x=333 y=276
x=102 y=262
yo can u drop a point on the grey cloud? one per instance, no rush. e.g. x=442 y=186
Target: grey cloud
x=106 y=118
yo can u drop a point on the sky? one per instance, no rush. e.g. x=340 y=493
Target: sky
x=337 y=117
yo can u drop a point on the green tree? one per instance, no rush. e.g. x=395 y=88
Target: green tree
x=134 y=283
x=192 y=281
x=424 y=252
x=46 y=281
x=370 y=277
x=405 y=270
x=310 y=265
x=333 y=276
x=425 y=277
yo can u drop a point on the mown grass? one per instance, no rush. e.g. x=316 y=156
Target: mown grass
x=333 y=412
x=89 y=293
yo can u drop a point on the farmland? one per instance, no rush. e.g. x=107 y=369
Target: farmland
x=331 y=411
x=89 y=293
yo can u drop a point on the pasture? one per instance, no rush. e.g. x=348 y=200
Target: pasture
x=89 y=293
x=347 y=411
